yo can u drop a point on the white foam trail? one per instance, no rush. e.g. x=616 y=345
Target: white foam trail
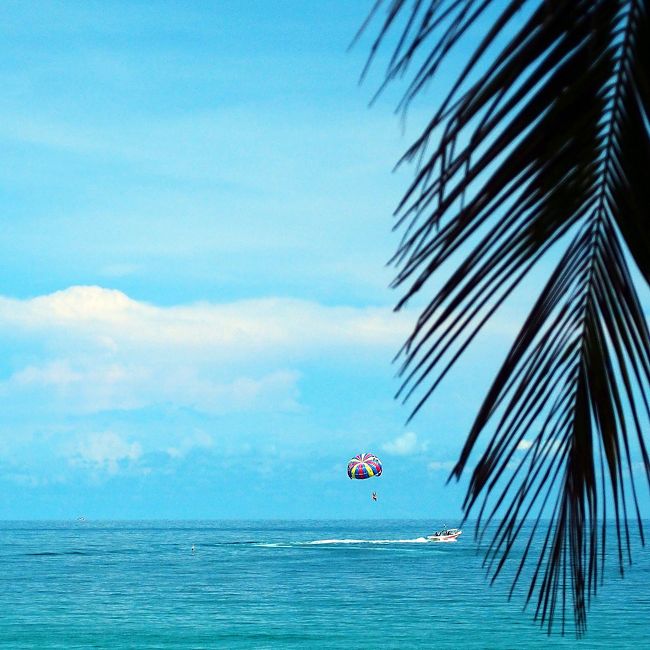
x=417 y=540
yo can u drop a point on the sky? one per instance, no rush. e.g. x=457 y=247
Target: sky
x=195 y=317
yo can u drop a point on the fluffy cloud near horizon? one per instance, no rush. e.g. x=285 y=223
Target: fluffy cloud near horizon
x=92 y=349
x=105 y=451
x=404 y=445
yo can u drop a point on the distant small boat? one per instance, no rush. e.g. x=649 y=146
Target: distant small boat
x=445 y=535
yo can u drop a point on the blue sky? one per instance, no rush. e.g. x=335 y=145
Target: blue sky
x=194 y=312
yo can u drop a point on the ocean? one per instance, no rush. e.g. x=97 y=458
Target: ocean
x=278 y=584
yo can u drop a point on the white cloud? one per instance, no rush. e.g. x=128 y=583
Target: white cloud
x=247 y=328
x=546 y=447
x=404 y=445
x=55 y=373
x=198 y=440
x=439 y=465
x=104 y=350
x=86 y=386
x=105 y=451
x=277 y=390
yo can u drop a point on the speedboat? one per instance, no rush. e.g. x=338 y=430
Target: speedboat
x=445 y=535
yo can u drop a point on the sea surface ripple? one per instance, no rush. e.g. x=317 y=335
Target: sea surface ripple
x=280 y=584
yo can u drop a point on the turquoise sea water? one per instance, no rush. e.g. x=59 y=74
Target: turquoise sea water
x=276 y=584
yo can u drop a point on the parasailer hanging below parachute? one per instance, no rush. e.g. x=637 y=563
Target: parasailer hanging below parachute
x=364 y=466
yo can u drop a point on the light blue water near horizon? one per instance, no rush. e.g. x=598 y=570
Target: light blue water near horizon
x=277 y=584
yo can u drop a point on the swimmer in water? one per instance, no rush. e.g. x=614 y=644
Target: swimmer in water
x=193 y=548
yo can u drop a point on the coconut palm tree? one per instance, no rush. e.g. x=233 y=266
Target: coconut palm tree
x=538 y=152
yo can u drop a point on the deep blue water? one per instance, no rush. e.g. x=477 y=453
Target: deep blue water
x=267 y=585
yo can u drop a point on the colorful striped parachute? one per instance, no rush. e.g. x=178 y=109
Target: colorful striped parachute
x=364 y=466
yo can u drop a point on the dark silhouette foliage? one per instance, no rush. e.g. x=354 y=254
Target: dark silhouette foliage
x=540 y=150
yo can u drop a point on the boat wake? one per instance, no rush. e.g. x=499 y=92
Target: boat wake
x=324 y=542
x=417 y=540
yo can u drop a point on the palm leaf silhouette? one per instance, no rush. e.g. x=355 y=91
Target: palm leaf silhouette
x=540 y=149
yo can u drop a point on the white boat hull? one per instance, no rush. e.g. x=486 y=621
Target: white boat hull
x=445 y=538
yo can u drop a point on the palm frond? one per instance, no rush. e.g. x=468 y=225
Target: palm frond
x=541 y=143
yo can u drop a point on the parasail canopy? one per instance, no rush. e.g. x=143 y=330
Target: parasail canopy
x=364 y=466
